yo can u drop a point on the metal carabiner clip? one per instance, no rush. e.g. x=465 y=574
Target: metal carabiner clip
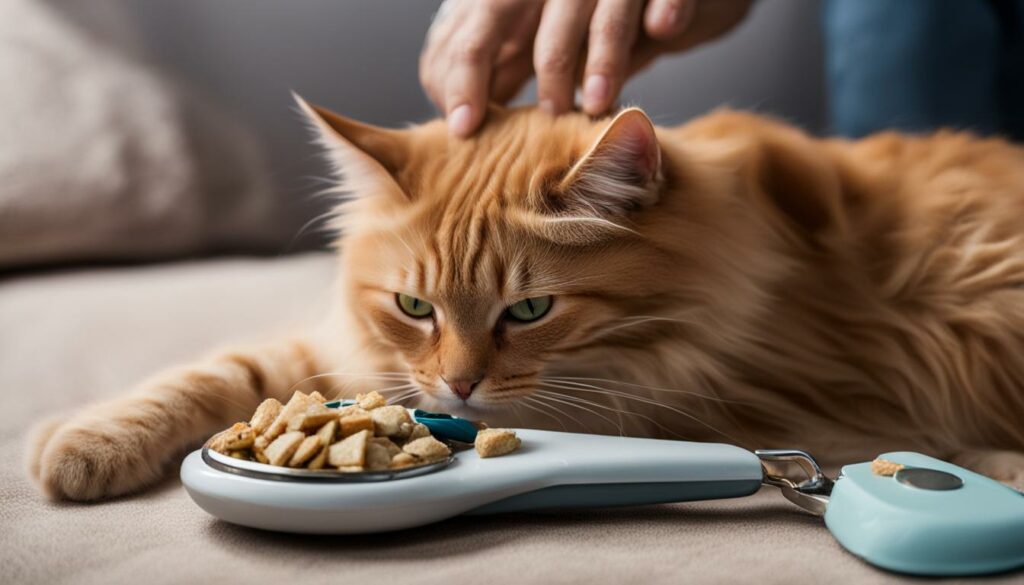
x=810 y=491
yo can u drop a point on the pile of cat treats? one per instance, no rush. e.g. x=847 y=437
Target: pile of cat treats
x=369 y=435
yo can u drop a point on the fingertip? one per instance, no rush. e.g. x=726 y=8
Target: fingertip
x=664 y=19
x=555 y=96
x=461 y=122
x=553 y=106
x=596 y=93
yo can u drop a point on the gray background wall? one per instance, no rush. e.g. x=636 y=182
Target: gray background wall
x=359 y=57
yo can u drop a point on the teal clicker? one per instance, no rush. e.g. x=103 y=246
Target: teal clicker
x=929 y=518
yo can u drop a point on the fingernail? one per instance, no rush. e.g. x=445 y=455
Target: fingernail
x=459 y=121
x=547 y=106
x=668 y=15
x=595 y=93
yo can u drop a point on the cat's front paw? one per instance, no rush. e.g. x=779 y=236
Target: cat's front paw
x=74 y=461
x=1004 y=466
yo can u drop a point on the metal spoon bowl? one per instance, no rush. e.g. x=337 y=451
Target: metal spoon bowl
x=257 y=470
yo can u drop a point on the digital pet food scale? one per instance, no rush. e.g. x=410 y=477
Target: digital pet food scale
x=930 y=518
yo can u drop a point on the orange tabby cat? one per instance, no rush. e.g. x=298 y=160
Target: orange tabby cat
x=728 y=280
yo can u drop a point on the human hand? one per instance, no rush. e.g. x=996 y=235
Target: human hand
x=486 y=50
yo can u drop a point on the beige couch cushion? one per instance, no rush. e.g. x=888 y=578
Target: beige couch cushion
x=103 y=158
x=77 y=336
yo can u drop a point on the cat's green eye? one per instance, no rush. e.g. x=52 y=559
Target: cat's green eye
x=414 y=307
x=530 y=309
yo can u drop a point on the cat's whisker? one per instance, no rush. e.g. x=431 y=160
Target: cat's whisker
x=543 y=412
x=651 y=402
x=545 y=397
x=404 y=396
x=583 y=403
x=644 y=387
x=519 y=413
x=580 y=402
x=413 y=389
x=363 y=374
x=392 y=389
x=385 y=376
x=368 y=376
x=334 y=391
x=336 y=394
x=546 y=404
x=329 y=187
x=323 y=217
x=617 y=410
x=579 y=387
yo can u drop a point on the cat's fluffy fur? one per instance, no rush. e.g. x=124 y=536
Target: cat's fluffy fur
x=730 y=280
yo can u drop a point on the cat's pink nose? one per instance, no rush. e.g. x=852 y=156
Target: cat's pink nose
x=463 y=388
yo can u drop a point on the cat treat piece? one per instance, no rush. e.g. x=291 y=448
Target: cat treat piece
x=309 y=447
x=355 y=421
x=427 y=449
x=885 y=467
x=350 y=452
x=238 y=437
x=391 y=448
x=265 y=415
x=328 y=432
x=296 y=405
x=259 y=449
x=377 y=457
x=283 y=447
x=370 y=401
x=496 y=442
x=418 y=431
x=316 y=416
x=403 y=459
x=392 y=421
x=369 y=435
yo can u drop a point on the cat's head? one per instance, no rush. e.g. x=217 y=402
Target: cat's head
x=480 y=265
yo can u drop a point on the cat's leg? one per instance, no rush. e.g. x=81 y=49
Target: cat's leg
x=122 y=445
x=1004 y=466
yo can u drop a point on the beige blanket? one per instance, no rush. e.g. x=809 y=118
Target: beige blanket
x=72 y=337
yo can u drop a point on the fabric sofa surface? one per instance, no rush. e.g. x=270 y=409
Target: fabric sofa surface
x=76 y=336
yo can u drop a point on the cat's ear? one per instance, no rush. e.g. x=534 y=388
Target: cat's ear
x=360 y=152
x=619 y=173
